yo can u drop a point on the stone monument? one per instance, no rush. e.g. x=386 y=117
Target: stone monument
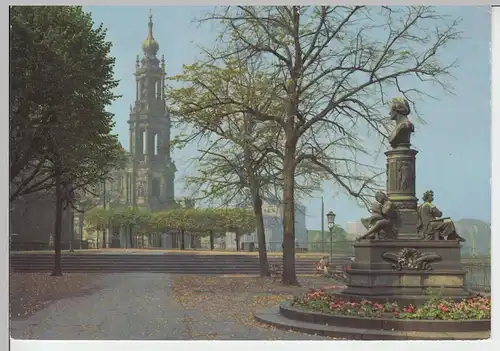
x=401 y=170
x=409 y=252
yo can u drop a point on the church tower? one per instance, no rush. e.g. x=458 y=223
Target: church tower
x=152 y=173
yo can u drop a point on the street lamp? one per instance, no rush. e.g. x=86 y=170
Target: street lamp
x=330 y=218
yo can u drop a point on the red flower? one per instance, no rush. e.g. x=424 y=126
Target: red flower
x=395 y=314
x=443 y=308
x=410 y=309
x=313 y=297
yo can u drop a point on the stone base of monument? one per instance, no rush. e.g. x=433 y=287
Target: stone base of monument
x=406 y=271
x=356 y=328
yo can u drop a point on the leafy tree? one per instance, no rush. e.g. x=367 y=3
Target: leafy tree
x=237 y=220
x=98 y=218
x=132 y=219
x=330 y=68
x=210 y=221
x=63 y=143
x=36 y=89
x=236 y=168
x=181 y=219
x=203 y=221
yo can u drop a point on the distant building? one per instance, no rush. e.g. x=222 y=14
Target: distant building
x=32 y=222
x=147 y=181
x=273 y=224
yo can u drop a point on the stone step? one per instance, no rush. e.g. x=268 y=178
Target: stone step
x=168 y=263
x=65 y=259
x=146 y=267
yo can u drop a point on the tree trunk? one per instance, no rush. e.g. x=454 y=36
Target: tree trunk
x=289 y=275
x=80 y=225
x=192 y=241
x=131 y=236
x=57 y=272
x=256 y=199
x=237 y=242
x=211 y=240
x=104 y=238
x=261 y=235
x=183 y=246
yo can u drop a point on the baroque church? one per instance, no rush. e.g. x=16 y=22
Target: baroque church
x=148 y=179
x=146 y=182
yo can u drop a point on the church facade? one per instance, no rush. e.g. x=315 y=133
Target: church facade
x=147 y=181
x=149 y=177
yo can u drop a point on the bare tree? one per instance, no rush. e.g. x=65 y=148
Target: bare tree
x=331 y=69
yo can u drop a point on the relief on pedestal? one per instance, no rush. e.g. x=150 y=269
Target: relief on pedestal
x=405 y=176
x=411 y=259
x=401 y=176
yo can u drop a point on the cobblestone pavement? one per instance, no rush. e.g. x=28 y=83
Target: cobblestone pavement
x=135 y=306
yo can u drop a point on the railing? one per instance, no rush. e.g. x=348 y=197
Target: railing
x=478 y=276
x=338 y=248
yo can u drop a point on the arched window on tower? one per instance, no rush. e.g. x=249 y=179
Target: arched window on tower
x=156 y=90
x=156 y=144
x=144 y=142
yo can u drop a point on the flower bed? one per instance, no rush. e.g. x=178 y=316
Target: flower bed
x=474 y=308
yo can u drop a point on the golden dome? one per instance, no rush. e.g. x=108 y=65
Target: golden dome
x=150 y=45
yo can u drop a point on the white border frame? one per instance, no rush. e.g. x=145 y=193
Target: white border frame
x=31 y=345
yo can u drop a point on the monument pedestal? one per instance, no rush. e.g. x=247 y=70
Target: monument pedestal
x=401 y=189
x=406 y=271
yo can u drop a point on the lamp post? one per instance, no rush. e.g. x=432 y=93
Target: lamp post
x=104 y=206
x=72 y=229
x=330 y=217
x=474 y=233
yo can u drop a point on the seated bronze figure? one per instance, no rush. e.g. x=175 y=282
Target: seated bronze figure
x=381 y=223
x=431 y=224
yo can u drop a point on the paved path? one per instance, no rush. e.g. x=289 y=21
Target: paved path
x=135 y=306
